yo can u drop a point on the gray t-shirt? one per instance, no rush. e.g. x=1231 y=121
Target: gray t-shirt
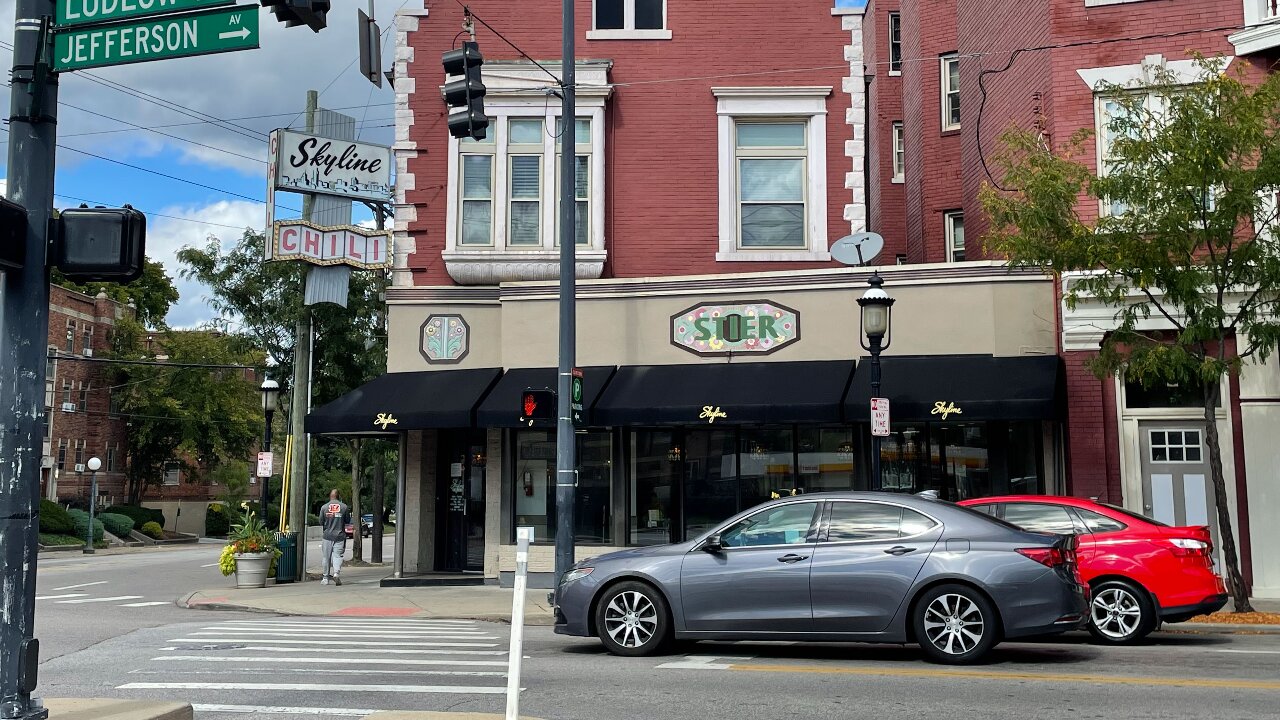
x=334 y=516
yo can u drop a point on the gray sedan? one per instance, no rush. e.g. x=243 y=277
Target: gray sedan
x=833 y=567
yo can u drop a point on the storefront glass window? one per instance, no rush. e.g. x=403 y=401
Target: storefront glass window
x=960 y=461
x=535 y=489
x=655 y=469
x=826 y=458
x=710 y=479
x=767 y=465
x=904 y=458
x=1025 y=457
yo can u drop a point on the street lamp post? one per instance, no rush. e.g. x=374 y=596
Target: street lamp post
x=876 y=310
x=270 y=391
x=93 y=465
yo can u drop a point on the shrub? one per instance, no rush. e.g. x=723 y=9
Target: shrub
x=216 y=521
x=54 y=520
x=139 y=515
x=81 y=520
x=118 y=525
x=153 y=530
x=53 y=539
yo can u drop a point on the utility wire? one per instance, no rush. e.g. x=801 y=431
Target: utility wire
x=504 y=39
x=152 y=214
x=157 y=363
x=165 y=134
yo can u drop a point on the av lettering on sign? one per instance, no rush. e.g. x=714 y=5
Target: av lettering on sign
x=87 y=12
x=312 y=164
x=755 y=327
x=339 y=245
x=264 y=464
x=880 y=417
x=203 y=33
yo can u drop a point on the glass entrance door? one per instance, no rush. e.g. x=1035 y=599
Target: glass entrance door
x=461 y=502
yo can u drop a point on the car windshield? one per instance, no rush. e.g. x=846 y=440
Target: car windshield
x=1132 y=514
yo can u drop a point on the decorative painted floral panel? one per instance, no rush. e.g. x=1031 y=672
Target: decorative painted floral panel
x=445 y=339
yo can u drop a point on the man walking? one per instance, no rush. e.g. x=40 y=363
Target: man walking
x=334 y=516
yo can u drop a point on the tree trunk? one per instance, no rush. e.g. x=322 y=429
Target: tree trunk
x=357 y=534
x=1235 y=581
x=378 y=489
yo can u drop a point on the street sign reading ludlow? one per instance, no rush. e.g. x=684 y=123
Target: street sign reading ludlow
x=234 y=28
x=87 y=12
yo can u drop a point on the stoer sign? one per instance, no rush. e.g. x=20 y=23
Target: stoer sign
x=87 y=12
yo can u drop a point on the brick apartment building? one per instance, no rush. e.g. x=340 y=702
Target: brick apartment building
x=78 y=423
x=1040 y=65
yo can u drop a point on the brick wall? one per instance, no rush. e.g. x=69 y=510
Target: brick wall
x=1093 y=464
x=661 y=137
x=886 y=203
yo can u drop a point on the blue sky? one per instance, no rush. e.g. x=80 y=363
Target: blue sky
x=230 y=161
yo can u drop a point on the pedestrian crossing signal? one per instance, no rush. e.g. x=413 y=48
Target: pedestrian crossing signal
x=537 y=407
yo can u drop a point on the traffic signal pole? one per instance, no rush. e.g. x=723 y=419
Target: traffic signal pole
x=566 y=462
x=24 y=328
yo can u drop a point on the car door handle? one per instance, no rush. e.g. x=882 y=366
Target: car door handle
x=899 y=550
x=792 y=558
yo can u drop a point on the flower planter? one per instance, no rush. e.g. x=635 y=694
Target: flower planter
x=251 y=569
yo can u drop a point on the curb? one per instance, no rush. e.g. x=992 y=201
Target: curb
x=1223 y=628
x=529 y=620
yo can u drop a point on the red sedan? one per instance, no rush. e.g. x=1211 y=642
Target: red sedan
x=1141 y=571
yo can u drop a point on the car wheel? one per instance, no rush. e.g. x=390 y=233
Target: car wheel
x=632 y=619
x=955 y=624
x=1120 y=613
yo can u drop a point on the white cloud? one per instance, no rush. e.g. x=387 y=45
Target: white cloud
x=4 y=192
x=166 y=236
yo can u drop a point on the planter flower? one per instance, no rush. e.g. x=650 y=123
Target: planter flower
x=249 y=553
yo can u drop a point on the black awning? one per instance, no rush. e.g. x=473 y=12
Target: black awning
x=980 y=387
x=725 y=393
x=414 y=400
x=501 y=407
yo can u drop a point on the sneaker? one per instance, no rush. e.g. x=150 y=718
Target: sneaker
x=337 y=580
x=324 y=580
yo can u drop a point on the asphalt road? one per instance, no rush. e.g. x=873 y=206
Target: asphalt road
x=232 y=665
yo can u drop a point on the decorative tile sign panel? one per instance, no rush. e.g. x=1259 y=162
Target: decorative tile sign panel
x=445 y=339
x=754 y=327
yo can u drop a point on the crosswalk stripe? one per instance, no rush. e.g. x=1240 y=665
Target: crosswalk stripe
x=147 y=604
x=330 y=660
x=99 y=600
x=360 y=621
x=280 y=710
x=321 y=643
x=317 y=687
x=81 y=585
x=330 y=671
x=268 y=630
x=59 y=597
x=388 y=651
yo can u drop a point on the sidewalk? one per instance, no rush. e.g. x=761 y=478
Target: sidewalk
x=360 y=596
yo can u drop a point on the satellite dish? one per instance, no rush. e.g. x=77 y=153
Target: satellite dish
x=857 y=249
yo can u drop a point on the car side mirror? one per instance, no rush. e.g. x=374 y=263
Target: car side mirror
x=712 y=544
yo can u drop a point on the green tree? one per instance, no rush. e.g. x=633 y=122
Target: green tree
x=196 y=416
x=1192 y=241
x=152 y=294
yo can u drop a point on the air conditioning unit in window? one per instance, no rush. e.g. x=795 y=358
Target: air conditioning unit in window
x=68 y=407
x=79 y=467
x=88 y=352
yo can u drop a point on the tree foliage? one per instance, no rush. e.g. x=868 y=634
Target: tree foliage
x=1186 y=248
x=152 y=294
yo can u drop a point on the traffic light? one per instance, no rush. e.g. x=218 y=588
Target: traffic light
x=538 y=406
x=100 y=244
x=466 y=93
x=13 y=234
x=299 y=12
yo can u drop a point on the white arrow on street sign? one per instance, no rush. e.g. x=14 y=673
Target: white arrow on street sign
x=241 y=33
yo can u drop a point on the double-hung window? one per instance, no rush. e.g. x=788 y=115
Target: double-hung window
x=950 y=92
x=524 y=173
x=895 y=43
x=772 y=185
x=1114 y=114
x=953 y=228
x=62 y=453
x=899 y=153
x=581 y=180
x=629 y=20
x=476 y=171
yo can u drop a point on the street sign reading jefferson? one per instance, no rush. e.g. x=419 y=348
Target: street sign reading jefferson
x=204 y=33
x=86 y=12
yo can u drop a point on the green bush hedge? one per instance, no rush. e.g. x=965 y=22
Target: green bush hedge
x=216 y=521
x=118 y=525
x=54 y=520
x=139 y=515
x=81 y=520
x=58 y=539
x=152 y=530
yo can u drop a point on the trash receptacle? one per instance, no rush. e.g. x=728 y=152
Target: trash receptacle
x=287 y=565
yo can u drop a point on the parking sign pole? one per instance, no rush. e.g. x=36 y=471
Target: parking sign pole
x=876 y=480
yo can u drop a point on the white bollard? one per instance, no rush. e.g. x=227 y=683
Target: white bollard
x=524 y=536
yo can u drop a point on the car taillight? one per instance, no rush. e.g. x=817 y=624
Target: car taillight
x=1049 y=557
x=1189 y=547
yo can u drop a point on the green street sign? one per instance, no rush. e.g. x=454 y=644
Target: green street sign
x=575 y=397
x=95 y=12
x=204 y=33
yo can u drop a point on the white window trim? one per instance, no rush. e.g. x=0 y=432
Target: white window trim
x=512 y=93
x=889 y=35
x=1262 y=32
x=948 y=233
x=897 y=135
x=628 y=30
x=943 y=61
x=808 y=103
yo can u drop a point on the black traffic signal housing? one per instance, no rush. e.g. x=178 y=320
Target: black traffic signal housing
x=13 y=234
x=538 y=407
x=466 y=93
x=100 y=244
x=300 y=12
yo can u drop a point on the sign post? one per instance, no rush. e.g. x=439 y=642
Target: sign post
x=524 y=536
x=202 y=33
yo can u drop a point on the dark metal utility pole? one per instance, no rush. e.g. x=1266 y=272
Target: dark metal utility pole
x=566 y=462
x=24 y=329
